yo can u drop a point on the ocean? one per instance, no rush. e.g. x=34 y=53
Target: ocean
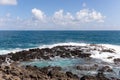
x=29 y=39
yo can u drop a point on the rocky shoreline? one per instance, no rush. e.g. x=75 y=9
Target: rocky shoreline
x=11 y=69
x=13 y=72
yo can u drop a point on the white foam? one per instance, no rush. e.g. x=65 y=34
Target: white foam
x=116 y=47
x=105 y=55
x=63 y=44
x=2 y=52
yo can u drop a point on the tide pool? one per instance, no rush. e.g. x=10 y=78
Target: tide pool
x=62 y=62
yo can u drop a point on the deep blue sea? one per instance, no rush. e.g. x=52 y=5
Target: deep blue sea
x=10 y=40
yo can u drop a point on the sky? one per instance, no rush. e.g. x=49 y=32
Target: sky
x=59 y=14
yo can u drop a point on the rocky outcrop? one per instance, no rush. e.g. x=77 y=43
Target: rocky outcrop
x=46 y=53
x=13 y=72
x=35 y=73
x=87 y=67
x=116 y=60
x=62 y=51
x=99 y=76
x=94 y=78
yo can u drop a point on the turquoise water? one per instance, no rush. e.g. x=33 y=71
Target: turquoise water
x=62 y=62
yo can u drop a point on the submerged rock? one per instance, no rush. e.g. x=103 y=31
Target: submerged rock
x=99 y=76
x=88 y=78
x=87 y=67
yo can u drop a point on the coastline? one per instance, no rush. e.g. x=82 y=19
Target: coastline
x=70 y=52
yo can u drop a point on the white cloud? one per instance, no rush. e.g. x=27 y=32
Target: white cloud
x=60 y=17
x=82 y=16
x=38 y=14
x=8 y=2
x=87 y=15
x=94 y=15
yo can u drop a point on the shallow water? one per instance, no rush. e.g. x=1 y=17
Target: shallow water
x=68 y=64
x=62 y=62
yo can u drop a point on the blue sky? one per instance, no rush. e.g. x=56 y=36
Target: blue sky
x=59 y=14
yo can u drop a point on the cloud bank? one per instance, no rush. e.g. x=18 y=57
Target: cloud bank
x=39 y=20
x=66 y=18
